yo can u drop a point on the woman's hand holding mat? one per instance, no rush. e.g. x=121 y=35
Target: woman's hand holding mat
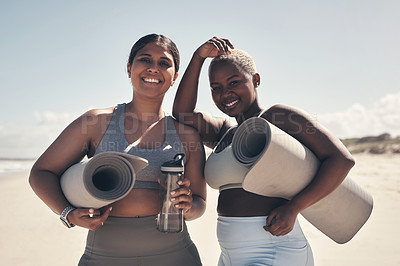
x=281 y=220
x=89 y=218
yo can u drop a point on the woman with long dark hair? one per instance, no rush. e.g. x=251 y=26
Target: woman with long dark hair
x=125 y=232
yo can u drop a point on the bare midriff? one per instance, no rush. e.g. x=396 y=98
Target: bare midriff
x=240 y=203
x=138 y=203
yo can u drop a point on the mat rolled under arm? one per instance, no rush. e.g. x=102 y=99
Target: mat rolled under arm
x=280 y=166
x=101 y=180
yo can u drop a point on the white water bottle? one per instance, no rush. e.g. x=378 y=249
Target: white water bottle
x=170 y=218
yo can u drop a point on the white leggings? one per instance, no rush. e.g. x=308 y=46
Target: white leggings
x=244 y=241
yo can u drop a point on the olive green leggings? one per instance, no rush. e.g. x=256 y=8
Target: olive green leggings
x=136 y=241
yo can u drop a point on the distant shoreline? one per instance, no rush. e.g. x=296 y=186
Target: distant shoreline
x=17 y=159
x=14 y=174
x=381 y=144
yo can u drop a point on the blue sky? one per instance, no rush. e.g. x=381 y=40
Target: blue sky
x=338 y=60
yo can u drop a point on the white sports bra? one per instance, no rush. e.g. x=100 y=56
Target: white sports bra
x=222 y=171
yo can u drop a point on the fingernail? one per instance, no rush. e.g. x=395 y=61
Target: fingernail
x=173 y=192
x=91 y=211
x=180 y=182
x=110 y=208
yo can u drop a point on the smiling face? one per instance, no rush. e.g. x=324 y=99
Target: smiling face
x=152 y=71
x=233 y=89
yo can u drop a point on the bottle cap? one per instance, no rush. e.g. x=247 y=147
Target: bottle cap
x=175 y=165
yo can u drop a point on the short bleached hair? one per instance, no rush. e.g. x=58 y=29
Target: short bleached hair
x=239 y=58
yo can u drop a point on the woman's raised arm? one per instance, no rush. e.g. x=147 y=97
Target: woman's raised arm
x=209 y=127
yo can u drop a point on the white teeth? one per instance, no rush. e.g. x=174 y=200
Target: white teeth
x=231 y=103
x=151 y=80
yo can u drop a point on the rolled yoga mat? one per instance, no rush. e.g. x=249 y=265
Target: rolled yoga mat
x=280 y=166
x=101 y=180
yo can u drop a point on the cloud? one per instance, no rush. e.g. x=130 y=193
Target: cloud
x=358 y=120
x=53 y=119
x=30 y=140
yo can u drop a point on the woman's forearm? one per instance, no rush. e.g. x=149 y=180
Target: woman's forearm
x=186 y=95
x=197 y=209
x=330 y=175
x=47 y=187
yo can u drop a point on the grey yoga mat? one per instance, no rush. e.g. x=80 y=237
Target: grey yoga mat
x=101 y=180
x=280 y=166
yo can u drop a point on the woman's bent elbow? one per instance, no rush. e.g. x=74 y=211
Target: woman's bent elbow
x=348 y=161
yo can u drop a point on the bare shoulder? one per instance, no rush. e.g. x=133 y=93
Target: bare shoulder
x=281 y=110
x=306 y=128
x=101 y=111
x=98 y=115
x=96 y=118
x=290 y=119
x=74 y=142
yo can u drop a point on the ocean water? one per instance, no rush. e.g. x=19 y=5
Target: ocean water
x=8 y=166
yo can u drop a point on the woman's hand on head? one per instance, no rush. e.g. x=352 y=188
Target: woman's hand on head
x=214 y=47
x=281 y=220
x=183 y=197
x=89 y=218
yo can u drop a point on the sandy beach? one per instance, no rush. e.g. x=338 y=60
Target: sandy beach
x=32 y=235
